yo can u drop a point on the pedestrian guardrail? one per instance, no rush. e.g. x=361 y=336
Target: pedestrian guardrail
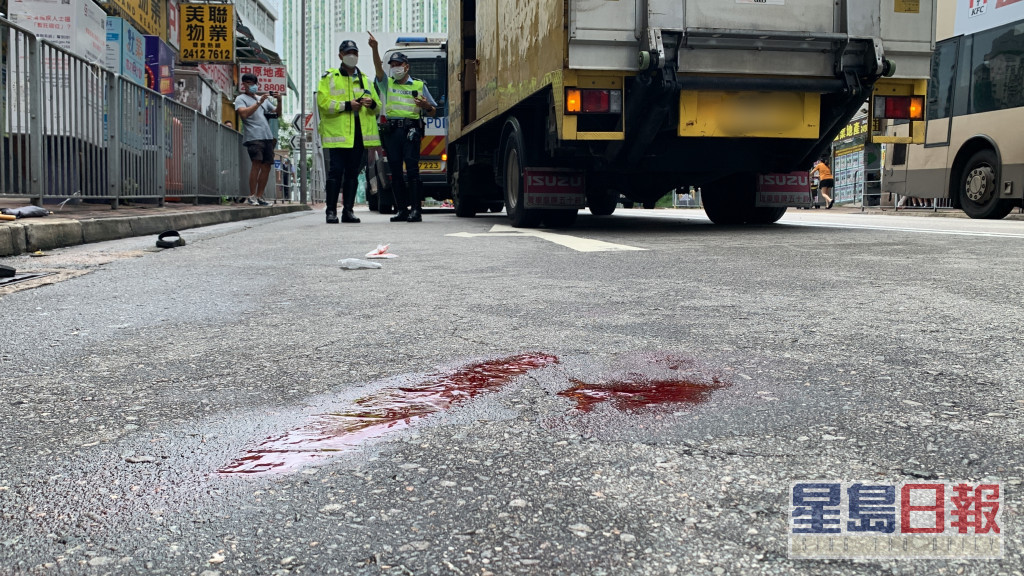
x=73 y=129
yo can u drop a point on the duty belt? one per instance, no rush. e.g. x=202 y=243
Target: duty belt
x=403 y=123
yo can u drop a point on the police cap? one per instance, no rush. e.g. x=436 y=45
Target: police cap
x=348 y=46
x=398 y=57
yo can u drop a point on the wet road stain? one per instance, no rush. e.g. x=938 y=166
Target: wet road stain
x=637 y=393
x=390 y=410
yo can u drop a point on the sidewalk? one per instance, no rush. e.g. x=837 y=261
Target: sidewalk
x=82 y=223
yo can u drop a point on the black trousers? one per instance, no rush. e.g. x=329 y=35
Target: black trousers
x=403 y=151
x=343 y=175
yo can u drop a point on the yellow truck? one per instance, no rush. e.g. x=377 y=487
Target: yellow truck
x=557 y=105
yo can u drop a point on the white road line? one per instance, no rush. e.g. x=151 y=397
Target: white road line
x=573 y=242
x=838 y=225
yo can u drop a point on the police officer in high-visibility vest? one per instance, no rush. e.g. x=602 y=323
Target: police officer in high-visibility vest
x=347 y=104
x=406 y=101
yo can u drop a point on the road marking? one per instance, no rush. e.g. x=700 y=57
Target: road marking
x=786 y=221
x=573 y=242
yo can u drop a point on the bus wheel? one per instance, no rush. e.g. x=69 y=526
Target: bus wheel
x=514 y=161
x=979 y=188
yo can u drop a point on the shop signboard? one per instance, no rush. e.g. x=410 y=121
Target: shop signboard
x=126 y=50
x=207 y=32
x=272 y=77
x=149 y=15
x=159 y=66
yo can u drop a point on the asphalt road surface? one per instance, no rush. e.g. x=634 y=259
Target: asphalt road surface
x=636 y=395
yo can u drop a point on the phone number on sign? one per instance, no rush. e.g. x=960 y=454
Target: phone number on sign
x=205 y=54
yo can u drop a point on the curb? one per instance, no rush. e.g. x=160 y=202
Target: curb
x=46 y=235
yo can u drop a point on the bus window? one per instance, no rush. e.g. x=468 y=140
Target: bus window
x=996 y=69
x=961 y=98
x=940 y=89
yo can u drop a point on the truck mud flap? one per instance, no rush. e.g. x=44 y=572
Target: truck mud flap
x=553 y=188
x=791 y=189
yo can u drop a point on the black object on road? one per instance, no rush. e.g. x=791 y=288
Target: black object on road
x=169 y=239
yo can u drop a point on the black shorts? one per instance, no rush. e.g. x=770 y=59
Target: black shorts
x=261 y=150
x=829 y=183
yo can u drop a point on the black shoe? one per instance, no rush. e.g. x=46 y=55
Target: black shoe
x=401 y=216
x=415 y=215
x=831 y=203
x=348 y=217
x=332 y=217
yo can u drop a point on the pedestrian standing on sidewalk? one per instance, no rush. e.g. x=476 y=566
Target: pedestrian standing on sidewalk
x=406 y=101
x=348 y=126
x=826 y=182
x=258 y=138
x=286 y=179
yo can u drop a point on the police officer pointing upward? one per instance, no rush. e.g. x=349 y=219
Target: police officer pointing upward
x=348 y=125
x=406 y=101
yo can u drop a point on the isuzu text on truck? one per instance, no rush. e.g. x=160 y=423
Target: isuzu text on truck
x=556 y=105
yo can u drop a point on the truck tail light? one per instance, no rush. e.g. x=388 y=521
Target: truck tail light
x=593 y=101
x=444 y=156
x=899 y=107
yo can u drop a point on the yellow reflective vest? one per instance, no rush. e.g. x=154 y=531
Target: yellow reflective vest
x=399 y=100
x=337 y=126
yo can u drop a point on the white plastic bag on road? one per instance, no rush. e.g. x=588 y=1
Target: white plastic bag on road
x=381 y=251
x=357 y=264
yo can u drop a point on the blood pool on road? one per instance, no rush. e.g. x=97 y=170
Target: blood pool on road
x=389 y=410
x=634 y=394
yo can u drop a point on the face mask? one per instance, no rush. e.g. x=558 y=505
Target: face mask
x=397 y=72
x=350 y=60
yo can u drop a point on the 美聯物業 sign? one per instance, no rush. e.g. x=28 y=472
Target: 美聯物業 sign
x=207 y=32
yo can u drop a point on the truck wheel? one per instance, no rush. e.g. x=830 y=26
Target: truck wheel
x=559 y=218
x=602 y=202
x=766 y=215
x=979 y=187
x=729 y=201
x=514 y=161
x=464 y=185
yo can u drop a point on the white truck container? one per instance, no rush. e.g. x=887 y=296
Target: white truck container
x=560 y=104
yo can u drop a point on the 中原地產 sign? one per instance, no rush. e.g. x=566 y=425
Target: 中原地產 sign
x=207 y=32
x=272 y=77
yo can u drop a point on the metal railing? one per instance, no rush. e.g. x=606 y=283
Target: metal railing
x=73 y=129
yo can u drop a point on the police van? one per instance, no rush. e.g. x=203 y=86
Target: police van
x=428 y=61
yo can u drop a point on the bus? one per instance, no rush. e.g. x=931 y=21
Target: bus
x=973 y=150
x=428 y=61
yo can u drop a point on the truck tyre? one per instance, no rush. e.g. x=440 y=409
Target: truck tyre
x=559 y=218
x=979 y=187
x=602 y=202
x=464 y=185
x=514 y=160
x=766 y=215
x=729 y=201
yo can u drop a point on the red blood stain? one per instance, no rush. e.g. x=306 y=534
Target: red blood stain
x=374 y=416
x=637 y=392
